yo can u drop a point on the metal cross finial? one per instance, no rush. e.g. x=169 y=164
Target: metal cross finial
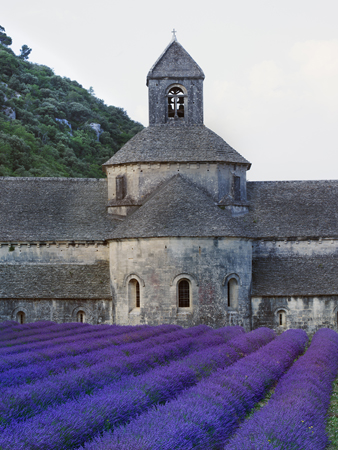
x=174 y=35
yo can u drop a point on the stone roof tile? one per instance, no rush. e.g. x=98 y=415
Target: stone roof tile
x=53 y=209
x=178 y=208
x=55 y=280
x=181 y=143
x=281 y=209
x=295 y=275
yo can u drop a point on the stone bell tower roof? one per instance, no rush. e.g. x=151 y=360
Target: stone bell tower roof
x=175 y=62
x=163 y=143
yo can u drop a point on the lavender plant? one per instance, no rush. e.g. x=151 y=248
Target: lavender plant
x=31 y=399
x=295 y=416
x=17 y=329
x=205 y=416
x=29 y=357
x=68 y=336
x=74 y=422
x=49 y=331
x=35 y=372
x=7 y=325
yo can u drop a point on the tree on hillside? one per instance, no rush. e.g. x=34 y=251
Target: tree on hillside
x=25 y=52
x=4 y=39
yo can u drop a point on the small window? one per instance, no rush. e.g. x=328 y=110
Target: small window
x=232 y=293
x=237 y=188
x=134 y=294
x=21 y=317
x=184 y=294
x=121 y=188
x=281 y=318
x=176 y=102
x=137 y=294
x=81 y=317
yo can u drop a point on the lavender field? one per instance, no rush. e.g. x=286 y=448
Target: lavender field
x=100 y=387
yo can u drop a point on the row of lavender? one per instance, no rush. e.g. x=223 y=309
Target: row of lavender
x=122 y=353
x=295 y=416
x=46 y=414
x=96 y=370
x=208 y=413
x=173 y=388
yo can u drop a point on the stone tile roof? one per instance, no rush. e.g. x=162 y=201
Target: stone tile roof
x=55 y=280
x=37 y=209
x=295 y=275
x=292 y=209
x=175 y=62
x=178 y=208
x=182 y=143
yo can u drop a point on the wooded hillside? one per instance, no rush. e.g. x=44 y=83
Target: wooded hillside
x=50 y=126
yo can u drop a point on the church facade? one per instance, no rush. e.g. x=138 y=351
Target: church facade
x=174 y=234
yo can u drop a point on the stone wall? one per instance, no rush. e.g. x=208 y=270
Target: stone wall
x=297 y=277
x=159 y=263
x=58 y=310
x=54 y=281
x=158 y=102
x=142 y=179
x=308 y=313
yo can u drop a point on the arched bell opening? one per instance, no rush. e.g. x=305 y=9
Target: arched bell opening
x=177 y=100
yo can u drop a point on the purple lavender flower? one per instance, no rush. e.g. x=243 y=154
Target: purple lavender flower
x=79 y=346
x=205 y=415
x=75 y=421
x=295 y=416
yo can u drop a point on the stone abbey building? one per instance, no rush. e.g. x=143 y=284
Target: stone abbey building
x=174 y=234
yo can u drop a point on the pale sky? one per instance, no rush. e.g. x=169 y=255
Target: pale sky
x=271 y=67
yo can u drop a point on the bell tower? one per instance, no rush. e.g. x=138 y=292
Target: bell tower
x=175 y=84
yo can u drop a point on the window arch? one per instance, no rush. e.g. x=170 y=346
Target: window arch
x=281 y=318
x=81 y=316
x=232 y=293
x=230 y=289
x=134 y=294
x=21 y=317
x=176 y=102
x=184 y=294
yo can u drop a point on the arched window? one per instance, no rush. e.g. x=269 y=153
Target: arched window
x=81 y=316
x=134 y=294
x=183 y=294
x=175 y=102
x=21 y=317
x=232 y=293
x=281 y=318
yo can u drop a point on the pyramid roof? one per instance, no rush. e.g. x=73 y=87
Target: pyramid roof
x=181 y=143
x=175 y=62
